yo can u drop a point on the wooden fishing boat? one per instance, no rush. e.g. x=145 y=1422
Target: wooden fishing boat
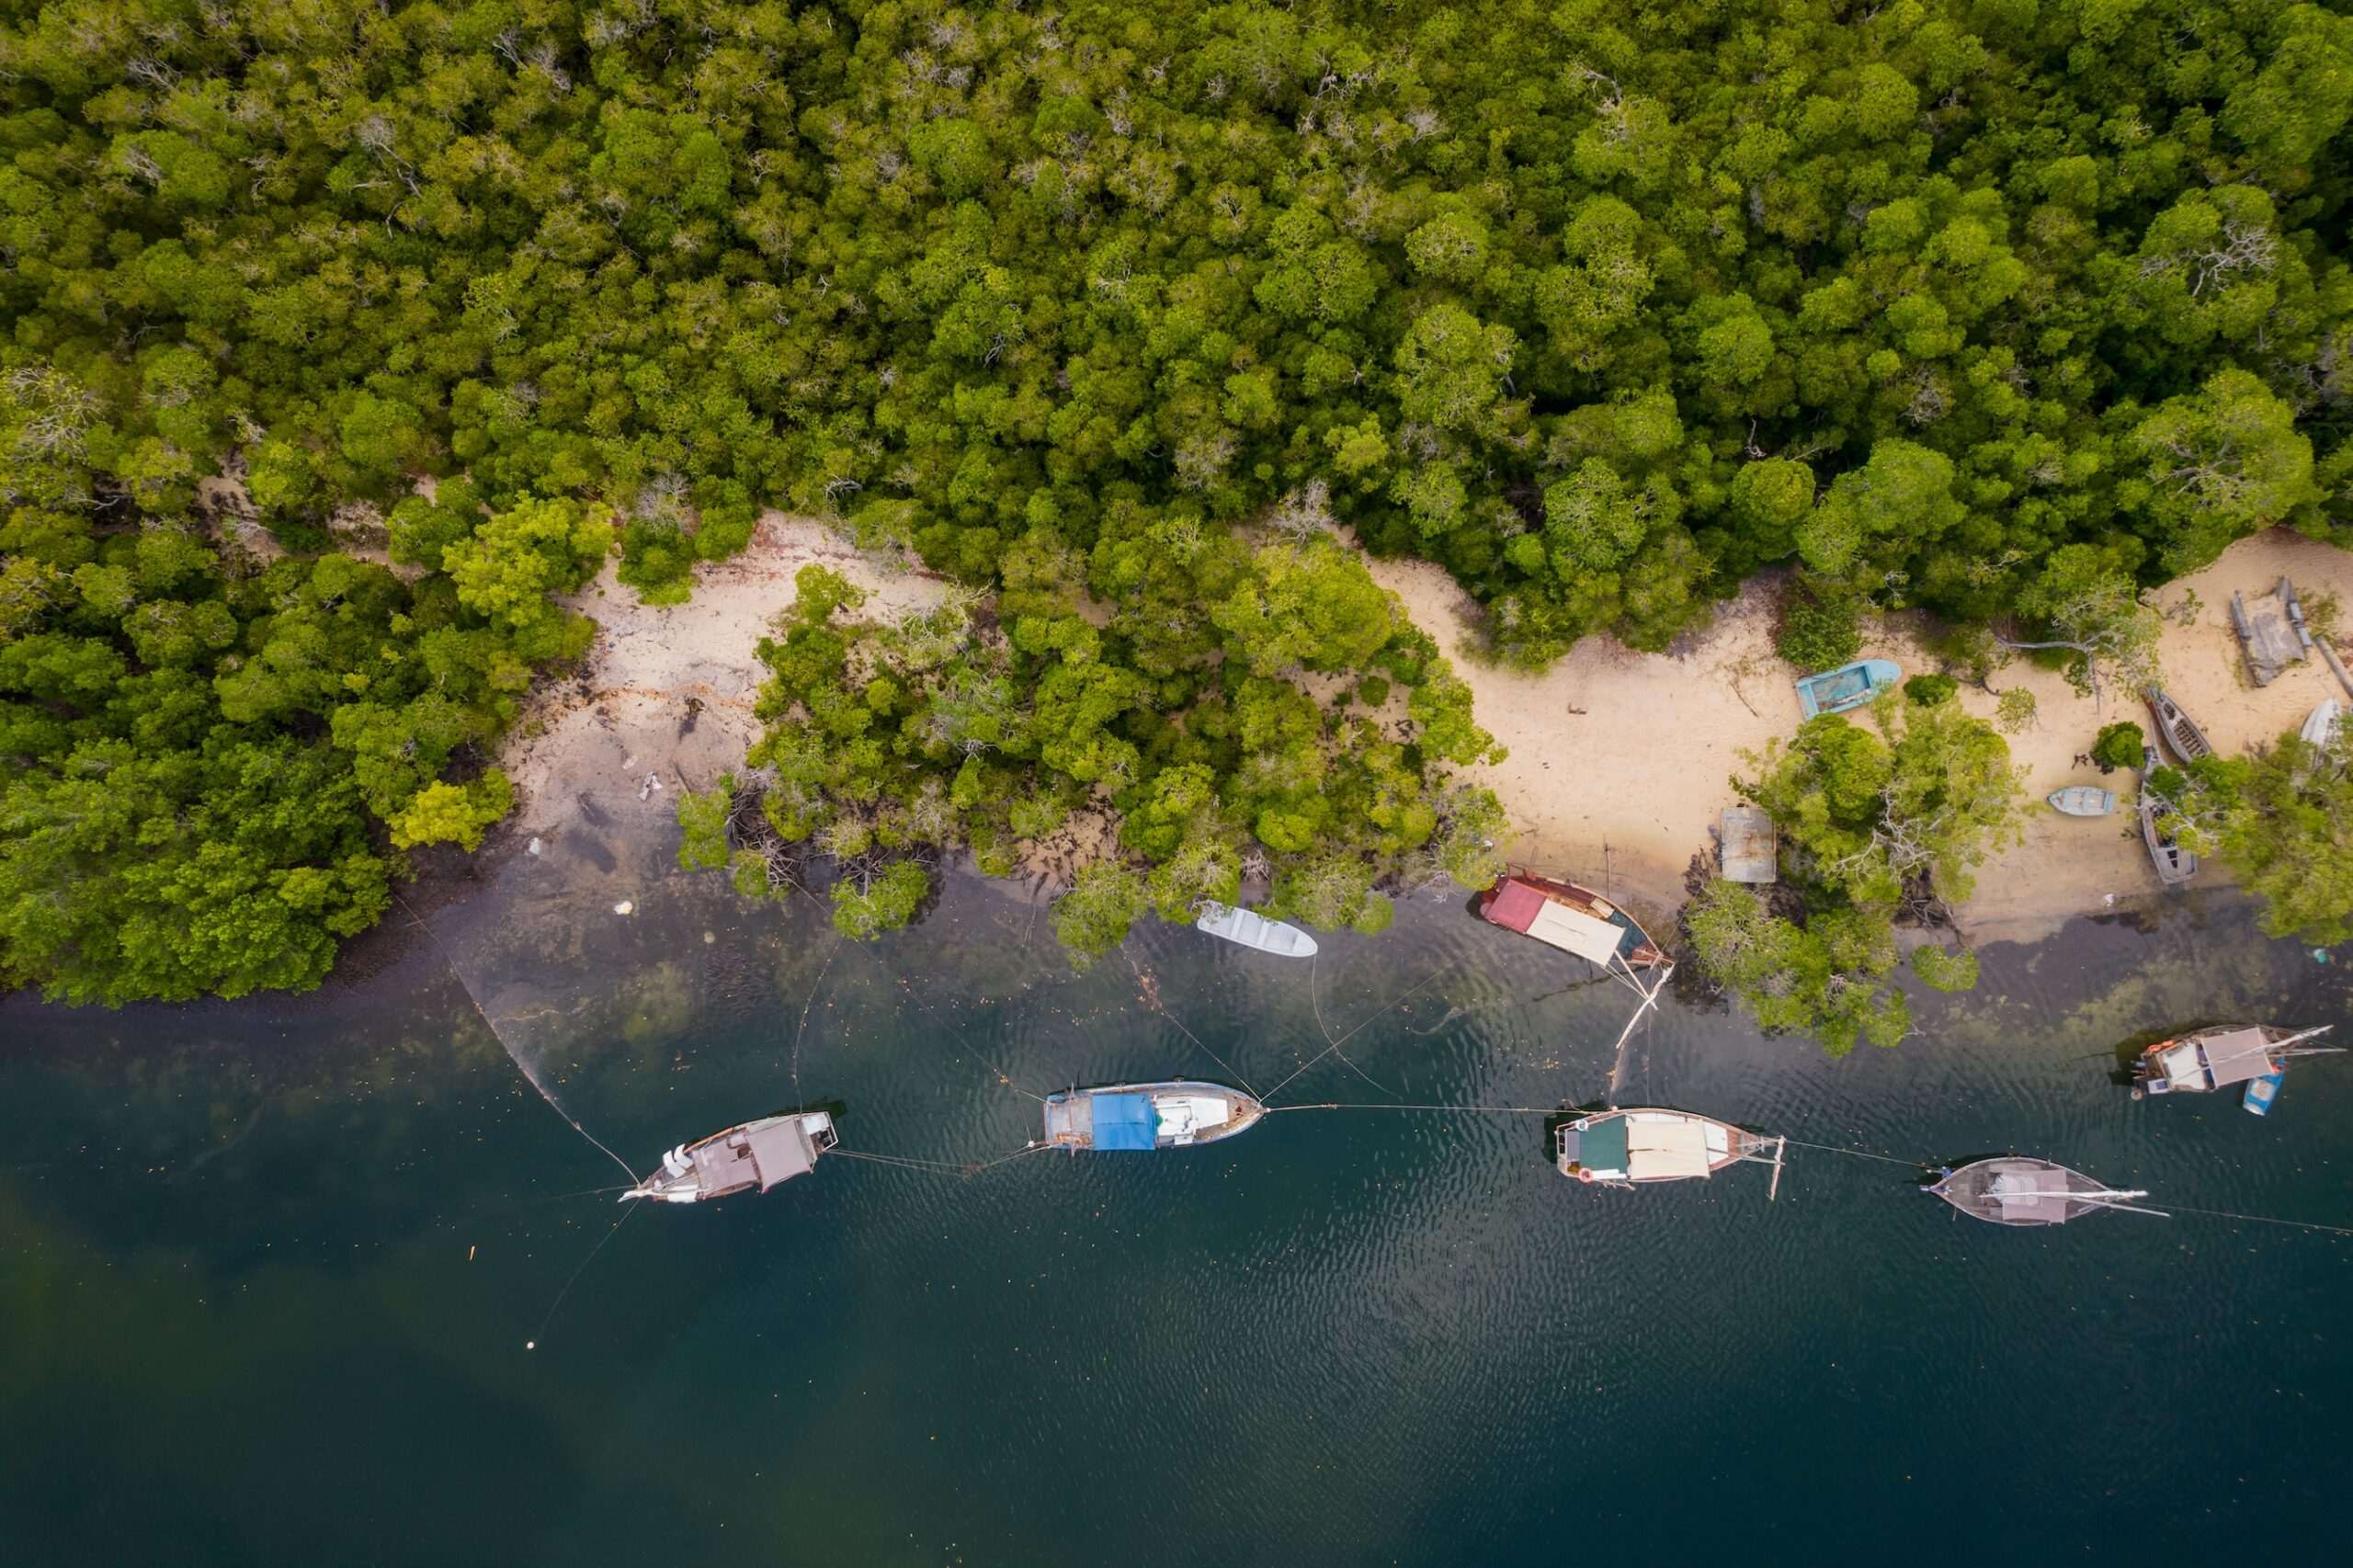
x=2174 y=865
x=2217 y=1058
x=2323 y=726
x=1639 y=1146
x=2182 y=735
x=1575 y=919
x=1849 y=686
x=1250 y=929
x=2082 y=801
x=2015 y=1190
x=1175 y=1114
x=2261 y=1093
x=753 y=1154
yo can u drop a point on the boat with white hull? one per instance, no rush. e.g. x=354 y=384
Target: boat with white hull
x=753 y=1154
x=2013 y=1189
x=1174 y=1114
x=1248 y=928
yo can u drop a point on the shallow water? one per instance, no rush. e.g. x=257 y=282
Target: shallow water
x=268 y=1270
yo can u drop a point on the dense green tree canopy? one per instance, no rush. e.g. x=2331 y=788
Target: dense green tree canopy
x=1601 y=308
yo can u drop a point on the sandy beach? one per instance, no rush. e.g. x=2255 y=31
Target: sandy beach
x=1619 y=763
x=664 y=697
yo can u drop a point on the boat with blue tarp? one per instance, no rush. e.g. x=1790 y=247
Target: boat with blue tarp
x=1175 y=1114
x=1849 y=686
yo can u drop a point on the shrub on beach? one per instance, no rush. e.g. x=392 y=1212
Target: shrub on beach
x=1927 y=691
x=2119 y=746
x=1819 y=628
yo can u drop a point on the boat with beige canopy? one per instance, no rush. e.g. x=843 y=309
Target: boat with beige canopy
x=1642 y=1145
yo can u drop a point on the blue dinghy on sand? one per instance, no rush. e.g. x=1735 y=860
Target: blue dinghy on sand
x=1851 y=685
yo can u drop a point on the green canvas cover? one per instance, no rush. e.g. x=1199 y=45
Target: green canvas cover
x=1602 y=1146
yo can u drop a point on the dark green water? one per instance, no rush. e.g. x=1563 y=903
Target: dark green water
x=266 y=1270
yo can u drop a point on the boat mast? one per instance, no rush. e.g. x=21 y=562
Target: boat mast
x=2107 y=1200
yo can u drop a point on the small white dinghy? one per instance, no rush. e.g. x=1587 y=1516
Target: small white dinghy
x=1253 y=930
x=2322 y=728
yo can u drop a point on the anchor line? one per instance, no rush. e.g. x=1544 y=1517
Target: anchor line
x=935 y=1167
x=809 y=1002
x=2265 y=1220
x=1002 y=1075
x=1396 y=1105
x=451 y=958
x=1162 y=1008
x=533 y=1343
x=1344 y=1040
x=1861 y=1153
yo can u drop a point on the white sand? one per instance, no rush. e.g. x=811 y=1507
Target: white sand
x=1620 y=761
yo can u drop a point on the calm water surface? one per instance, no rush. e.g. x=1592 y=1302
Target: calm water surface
x=268 y=1270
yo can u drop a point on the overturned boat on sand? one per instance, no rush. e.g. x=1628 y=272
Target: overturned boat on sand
x=2012 y=1190
x=1175 y=1114
x=753 y=1154
x=1635 y=1147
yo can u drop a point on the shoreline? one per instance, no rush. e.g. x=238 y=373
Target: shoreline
x=1619 y=761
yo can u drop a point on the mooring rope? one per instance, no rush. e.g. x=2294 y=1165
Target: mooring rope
x=809 y=1002
x=529 y=1076
x=937 y=1167
x=1152 y=990
x=1352 y=1034
x=1861 y=1153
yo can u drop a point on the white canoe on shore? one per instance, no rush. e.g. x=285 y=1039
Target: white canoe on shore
x=2321 y=729
x=1253 y=930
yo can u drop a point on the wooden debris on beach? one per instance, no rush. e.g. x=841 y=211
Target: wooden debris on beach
x=2271 y=638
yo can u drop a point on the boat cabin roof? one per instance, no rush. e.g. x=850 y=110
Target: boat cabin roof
x=1648 y=1146
x=2233 y=1055
x=1124 y=1121
x=765 y=1153
x=1597 y=934
x=2023 y=1192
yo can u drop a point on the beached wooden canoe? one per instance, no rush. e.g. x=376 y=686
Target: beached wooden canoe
x=1174 y=1114
x=2174 y=865
x=1642 y=1145
x=2015 y=1190
x=2182 y=735
x=2083 y=801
